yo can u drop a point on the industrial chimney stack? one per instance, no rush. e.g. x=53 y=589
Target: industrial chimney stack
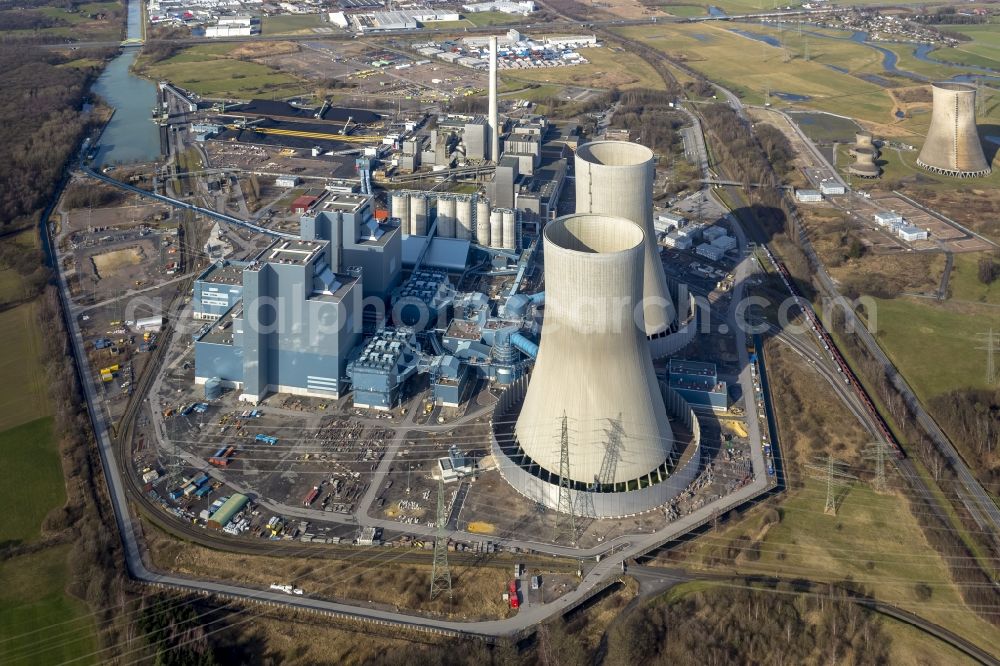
x=494 y=119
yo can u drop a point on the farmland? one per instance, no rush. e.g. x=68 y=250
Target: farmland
x=709 y=48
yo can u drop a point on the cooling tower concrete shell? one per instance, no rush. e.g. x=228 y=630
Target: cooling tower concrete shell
x=464 y=208
x=509 y=219
x=952 y=147
x=496 y=228
x=616 y=178
x=593 y=363
x=446 y=217
x=418 y=215
x=399 y=206
x=864 y=140
x=866 y=152
x=483 y=222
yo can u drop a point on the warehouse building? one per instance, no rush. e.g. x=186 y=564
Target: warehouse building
x=229 y=509
x=710 y=252
x=808 y=196
x=910 y=233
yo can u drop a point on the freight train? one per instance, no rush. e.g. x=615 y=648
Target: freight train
x=827 y=341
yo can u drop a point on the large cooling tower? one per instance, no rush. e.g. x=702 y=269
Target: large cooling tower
x=616 y=178
x=593 y=361
x=952 y=147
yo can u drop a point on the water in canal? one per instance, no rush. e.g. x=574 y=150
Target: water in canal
x=131 y=136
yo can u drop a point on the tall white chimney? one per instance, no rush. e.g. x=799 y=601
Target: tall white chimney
x=494 y=121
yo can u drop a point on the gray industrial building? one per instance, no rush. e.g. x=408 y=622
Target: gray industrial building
x=217 y=289
x=301 y=310
x=348 y=222
x=384 y=364
x=698 y=383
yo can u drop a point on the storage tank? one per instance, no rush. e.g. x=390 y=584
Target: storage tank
x=616 y=178
x=496 y=228
x=483 y=221
x=446 y=217
x=463 y=218
x=952 y=147
x=399 y=207
x=418 y=214
x=509 y=218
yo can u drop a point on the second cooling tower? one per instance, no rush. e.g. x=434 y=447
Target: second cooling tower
x=952 y=147
x=593 y=363
x=616 y=178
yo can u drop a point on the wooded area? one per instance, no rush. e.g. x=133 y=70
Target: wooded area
x=42 y=126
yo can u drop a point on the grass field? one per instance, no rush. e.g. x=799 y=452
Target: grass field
x=874 y=540
x=710 y=49
x=607 y=69
x=685 y=11
x=907 y=329
x=491 y=18
x=204 y=69
x=39 y=623
x=983 y=51
x=23 y=395
x=289 y=24
x=965 y=284
x=30 y=460
x=10 y=286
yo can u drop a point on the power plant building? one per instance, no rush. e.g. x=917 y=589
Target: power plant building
x=699 y=384
x=301 y=310
x=217 y=289
x=952 y=147
x=379 y=373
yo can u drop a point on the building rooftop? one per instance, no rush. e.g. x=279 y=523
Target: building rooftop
x=221 y=330
x=692 y=367
x=228 y=273
x=464 y=330
x=297 y=252
x=341 y=202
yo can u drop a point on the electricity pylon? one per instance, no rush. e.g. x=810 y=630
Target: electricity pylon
x=990 y=338
x=878 y=452
x=565 y=508
x=440 y=573
x=831 y=471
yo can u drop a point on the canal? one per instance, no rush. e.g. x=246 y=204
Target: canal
x=131 y=136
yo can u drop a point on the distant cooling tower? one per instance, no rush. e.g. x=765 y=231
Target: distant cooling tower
x=594 y=367
x=952 y=147
x=616 y=178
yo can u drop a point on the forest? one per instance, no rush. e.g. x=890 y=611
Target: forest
x=43 y=125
